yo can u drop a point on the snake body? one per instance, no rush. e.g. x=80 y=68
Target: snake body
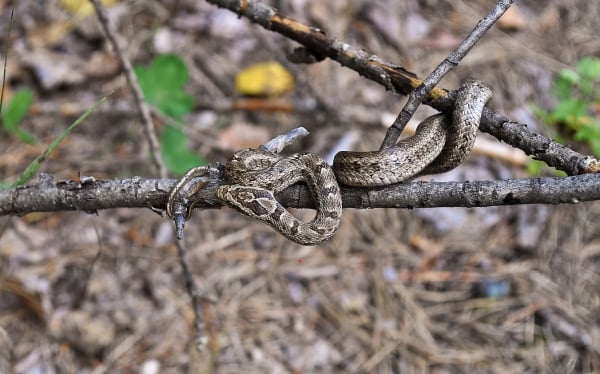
x=439 y=144
x=255 y=176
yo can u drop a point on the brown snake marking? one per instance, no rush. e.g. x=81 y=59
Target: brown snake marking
x=254 y=176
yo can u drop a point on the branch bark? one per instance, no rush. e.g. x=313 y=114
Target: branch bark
x=399 y=80
x=91 y=195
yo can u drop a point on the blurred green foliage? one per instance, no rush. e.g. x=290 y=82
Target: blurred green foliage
x=576 y=114
x=162 y=83
x=13 y=114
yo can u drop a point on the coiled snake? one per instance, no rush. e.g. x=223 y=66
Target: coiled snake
x=254 y=176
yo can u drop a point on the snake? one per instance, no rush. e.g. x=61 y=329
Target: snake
x=254 y=176
x=440 y=144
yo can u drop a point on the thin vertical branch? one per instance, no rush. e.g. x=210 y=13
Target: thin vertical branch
x=12 y=12
x=138 y=95
x=416 y=96
x=192 y=290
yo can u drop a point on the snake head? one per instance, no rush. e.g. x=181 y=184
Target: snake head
x=255 y=202
x=183 y=197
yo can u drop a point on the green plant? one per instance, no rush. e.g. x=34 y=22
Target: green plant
x=16 y=110
x=14 y=113
x=578 y=104
x=34 y=166
x=575 y=116
x=162 y=83
x=18 y=107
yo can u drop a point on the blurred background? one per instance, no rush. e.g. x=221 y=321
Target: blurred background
x=447 y=290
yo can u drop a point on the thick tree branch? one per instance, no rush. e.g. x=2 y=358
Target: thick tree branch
x=397 y=79
x=90 y=195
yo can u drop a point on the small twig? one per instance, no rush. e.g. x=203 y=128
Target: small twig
x=580 y=337
x=81 y=295
x=278 y=143
x=416 y=96
x=192 y=289
x=138 y=95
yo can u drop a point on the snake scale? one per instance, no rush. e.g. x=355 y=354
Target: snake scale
x=438 y=145
x=254 y=176
x=257 y=175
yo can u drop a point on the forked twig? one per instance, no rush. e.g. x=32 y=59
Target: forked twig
x=416 y=96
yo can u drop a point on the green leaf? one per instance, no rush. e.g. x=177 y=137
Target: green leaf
x=568 y=110
x=176 y=155
x=569 y=76
x=588 y=133
x=595 y=145
x=535 y=167
x=15 y=112
x=577 y=92
x=589 y=68
x=17 y=108
x=564 y=83
x=174 y=104
x=34 y=166
x=162 y=83
x=23 y=135
x=172 y=69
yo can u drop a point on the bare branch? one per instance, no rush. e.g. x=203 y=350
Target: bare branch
x=90 y=195
x=196 y=297
x=397 y=79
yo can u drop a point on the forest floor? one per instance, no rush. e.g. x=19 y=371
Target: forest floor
x=512 y=289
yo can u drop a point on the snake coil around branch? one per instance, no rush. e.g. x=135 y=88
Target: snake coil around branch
x=254 y=176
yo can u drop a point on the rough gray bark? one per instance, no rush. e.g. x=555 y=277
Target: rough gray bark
x=92 y=195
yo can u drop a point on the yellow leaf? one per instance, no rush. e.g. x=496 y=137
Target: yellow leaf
x=51 y=33
x=264 y=79
x=82 y=8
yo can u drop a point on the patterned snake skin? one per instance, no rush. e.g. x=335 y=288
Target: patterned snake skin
x=438 y=145
x=257 y=175
x=254 y=176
